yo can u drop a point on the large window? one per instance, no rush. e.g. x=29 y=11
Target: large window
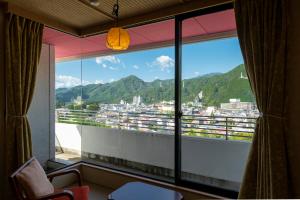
x=118 y=110
x=182 y=113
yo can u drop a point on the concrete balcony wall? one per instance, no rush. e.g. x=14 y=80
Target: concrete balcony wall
x=68 y=136
x=142 y=147
x=213 y=158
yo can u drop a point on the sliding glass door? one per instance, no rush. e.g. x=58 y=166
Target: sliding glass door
x=215 y=108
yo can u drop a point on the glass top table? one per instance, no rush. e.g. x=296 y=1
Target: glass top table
x=143 y=191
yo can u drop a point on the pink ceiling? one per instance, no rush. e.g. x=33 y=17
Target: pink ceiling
x=67 y=46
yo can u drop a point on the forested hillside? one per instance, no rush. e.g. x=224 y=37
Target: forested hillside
x=217 y=88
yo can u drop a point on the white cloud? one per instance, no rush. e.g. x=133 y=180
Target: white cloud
x=99 y=82
x=109 y=59
x=164 y=62
x=135 y=66
x=156 y=77
x=196 y=73
x=113 y=68
x=86 y=82
x=62 y=81
x=111 y=80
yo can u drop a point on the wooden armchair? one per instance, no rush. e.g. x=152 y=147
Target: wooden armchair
x=31 y=182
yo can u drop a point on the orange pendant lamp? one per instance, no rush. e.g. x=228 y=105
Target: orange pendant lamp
x=117 y=38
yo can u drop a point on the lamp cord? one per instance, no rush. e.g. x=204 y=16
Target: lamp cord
x=115 y=11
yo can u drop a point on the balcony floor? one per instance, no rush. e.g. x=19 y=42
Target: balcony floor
x=67 y=157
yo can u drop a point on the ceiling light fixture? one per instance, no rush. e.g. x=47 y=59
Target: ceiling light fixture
x=117 y=37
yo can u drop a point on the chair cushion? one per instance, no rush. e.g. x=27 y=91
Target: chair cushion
x=34 y=180
x=79 y=193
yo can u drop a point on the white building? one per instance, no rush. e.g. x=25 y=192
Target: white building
x=78 y=100
x=137 y=100
x=236 y=104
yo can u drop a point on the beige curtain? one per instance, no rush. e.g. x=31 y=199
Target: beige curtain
x=23 y=47
x=262 y=30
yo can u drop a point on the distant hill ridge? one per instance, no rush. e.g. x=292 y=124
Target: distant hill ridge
x=217 y=88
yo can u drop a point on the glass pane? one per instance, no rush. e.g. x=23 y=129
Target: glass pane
x=219 y=111
x=128 y=102
x=118 y=110
x=68 y=107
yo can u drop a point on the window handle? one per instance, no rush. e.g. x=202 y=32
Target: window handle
x=180 y=113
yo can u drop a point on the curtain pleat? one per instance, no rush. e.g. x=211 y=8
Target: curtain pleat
x=262 y=31
x=23 y=48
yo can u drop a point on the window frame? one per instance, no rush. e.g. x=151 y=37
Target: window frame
x=178 y=112
x=177 y=179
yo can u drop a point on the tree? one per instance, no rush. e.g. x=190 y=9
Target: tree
x=93 y=107
x=74 y=107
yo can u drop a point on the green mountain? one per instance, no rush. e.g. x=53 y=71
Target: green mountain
x=217 y=88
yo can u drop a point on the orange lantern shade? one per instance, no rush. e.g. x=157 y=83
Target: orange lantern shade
x=117 y=39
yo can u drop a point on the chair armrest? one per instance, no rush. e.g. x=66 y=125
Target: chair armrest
x=70 y=171
x=64 y=193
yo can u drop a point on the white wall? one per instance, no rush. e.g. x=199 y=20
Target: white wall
x=40 y=116
x=214 y=158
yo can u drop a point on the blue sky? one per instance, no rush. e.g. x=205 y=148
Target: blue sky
x=198 y=59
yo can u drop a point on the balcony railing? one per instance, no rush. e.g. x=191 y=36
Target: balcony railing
x=223 y=127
